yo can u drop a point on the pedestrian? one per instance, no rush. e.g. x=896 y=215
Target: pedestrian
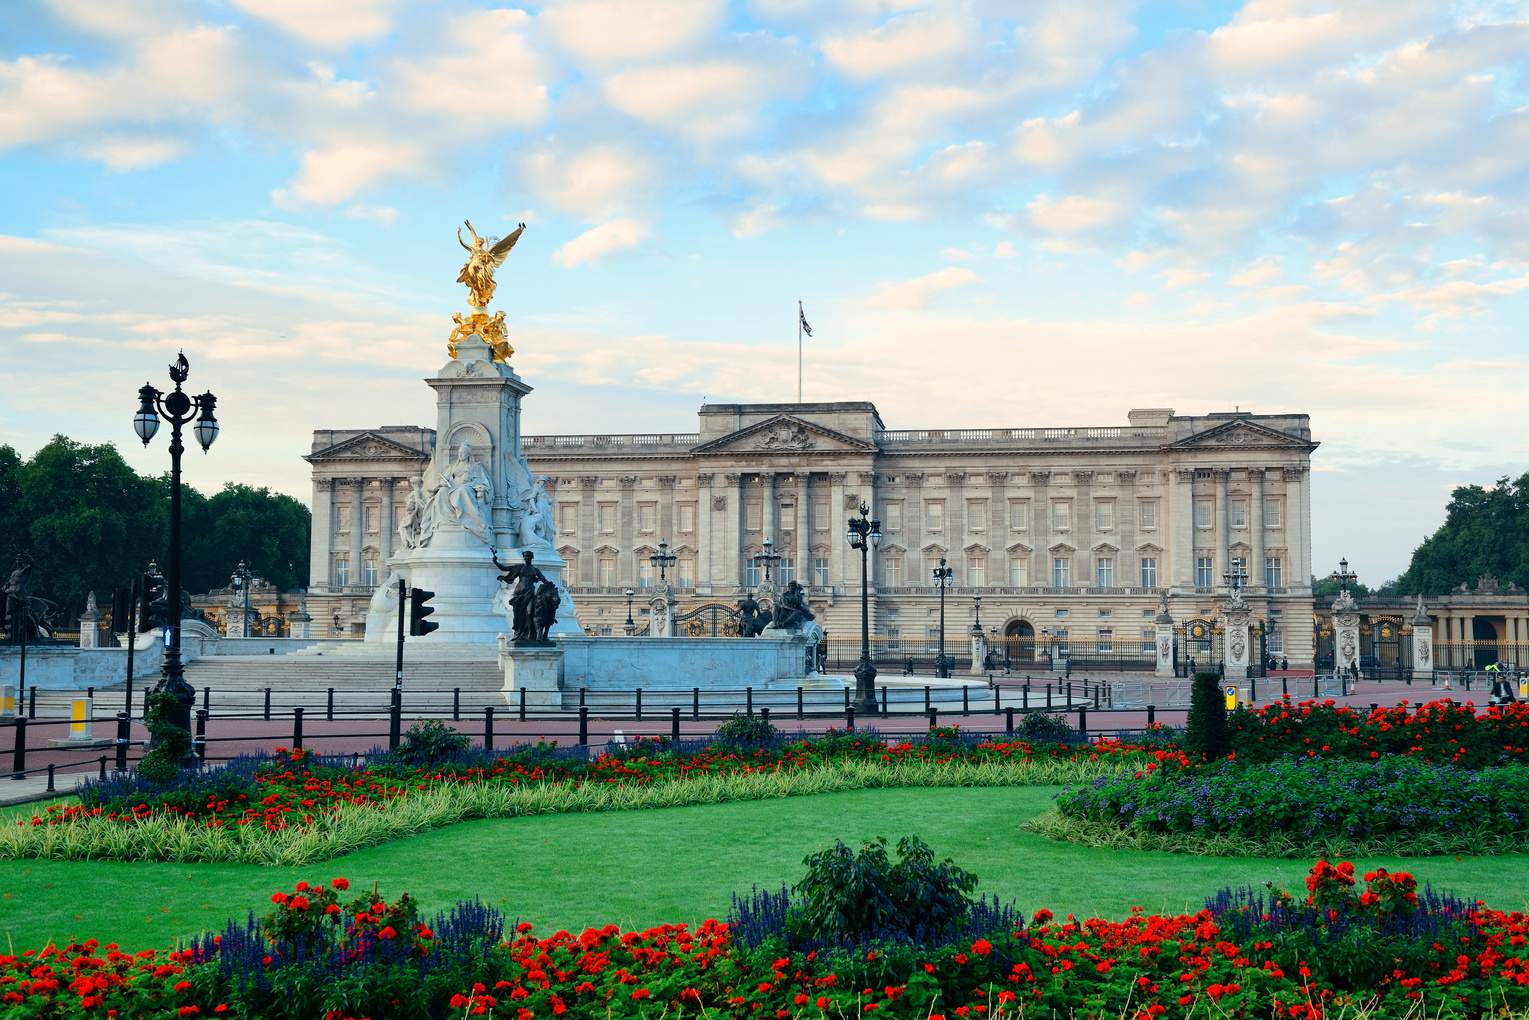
x=1284 y=665
x=1221 y=669
x=908 y=667
x=1008 y=666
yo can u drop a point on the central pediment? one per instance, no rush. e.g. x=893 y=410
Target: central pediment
x=786 y=433
x=367 y=446
x=1243 y=433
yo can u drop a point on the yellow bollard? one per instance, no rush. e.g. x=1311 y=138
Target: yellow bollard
x=7 y=699
x=1231 y=698
x=80 y=719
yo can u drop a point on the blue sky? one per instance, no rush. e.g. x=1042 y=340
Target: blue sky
x=997 y=213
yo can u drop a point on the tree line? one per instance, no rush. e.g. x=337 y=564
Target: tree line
x=92 y=523
x=1485 y=531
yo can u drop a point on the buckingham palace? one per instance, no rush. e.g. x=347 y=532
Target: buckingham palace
x=1070 y=536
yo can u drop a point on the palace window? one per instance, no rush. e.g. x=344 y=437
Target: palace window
x=1271 y=513
x=1064 y=648
x=341 y=519
x=607 y=518
x=1147 y=512
x=607 y=577
x=1203 y=473
x=1061 y=515
x=342 y=570
x=1104 y=571
x=1019 y=571
x=820 y=514
x=369 y=573
x=1205 y=572
x=976 y=514
x=752 y=572
x=1106 y=639
x=1149 y=571
x=1148 y=635
x=398 y=513
x=568 y=517
x=788 y=517
x=1205 y=513
x=1061 y=572
x=370 y=515
x=647 y=517
x=684 y=573
x=820 y=571
x=687 y=517
x=976 y=571
x=934 y=516
x=1276 y=641
x=787 y=571
x=1104 y=515
x=753 y=515
x=1273 y=572
x=894 y=569
x=932 y=639
x=1239 y=513
x=1104 y=477
x=644 y=573
x=1019 y=515
x=572 y=559
x=894 y=516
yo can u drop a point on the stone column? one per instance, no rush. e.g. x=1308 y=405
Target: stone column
x=1467 y=627
x=803 y=536
x=915 y=573
x=1256 y=576
x=321 y=538
x=955 y=523
x=1345 y=632
x=666 y=509
x=90 y=624
x=357 y=528
x=589 y=530
x=626 y=532
x=661 y=613
x=1298 y=523
x=998 y=525
x=1223 y=525
x=979 y=649
x=704 y=532
x=1085 y=573
x=730 y=554
x=836 y=517
x=385 y=528
x=1235 y=612
x=1423 y=663
x=1163 y=637
x=1181 y=550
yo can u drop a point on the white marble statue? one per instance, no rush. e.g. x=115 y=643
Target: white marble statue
x=544 y=504
x=459 y=495
x=413 y=514
x=385 y=598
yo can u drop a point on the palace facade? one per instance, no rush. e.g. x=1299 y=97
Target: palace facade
x=1070 y=536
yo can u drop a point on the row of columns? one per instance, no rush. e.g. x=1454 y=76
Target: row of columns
x=351 y=493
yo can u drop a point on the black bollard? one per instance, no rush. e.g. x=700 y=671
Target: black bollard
x=124 y=737
x=674 y=724
x=267 y=704
x=488 y=727
x=329 y=712
x=583 y=725
x=456 y=703
x=748 y=701
x=297 y=729
x=1008 y=719
x=200 y=741
x=395 y=718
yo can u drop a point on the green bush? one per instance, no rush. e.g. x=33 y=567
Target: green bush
x=430 y=741
x=743 y=729
x=1207 y=735
x=162 y=763
x=849 y=895
x=1038 y=726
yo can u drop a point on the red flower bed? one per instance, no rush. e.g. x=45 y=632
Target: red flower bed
x=1439 y=731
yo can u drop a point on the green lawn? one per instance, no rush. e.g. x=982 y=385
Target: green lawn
x=636 y=868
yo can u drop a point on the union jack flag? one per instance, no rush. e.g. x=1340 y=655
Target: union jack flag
x=803 y=317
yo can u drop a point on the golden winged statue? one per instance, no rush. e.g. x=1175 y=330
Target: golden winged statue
x=484 y=256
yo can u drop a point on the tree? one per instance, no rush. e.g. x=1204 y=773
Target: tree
x=1485 y=531
x=1326 y=587
x=1206 y=733
x=265 y=529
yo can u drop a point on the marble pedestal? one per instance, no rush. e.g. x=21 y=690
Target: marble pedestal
x=536 y=671
x=1345 y=632
x=979 y=650
x=1237 y=644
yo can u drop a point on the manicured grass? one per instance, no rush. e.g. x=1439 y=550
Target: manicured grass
x=636 y=868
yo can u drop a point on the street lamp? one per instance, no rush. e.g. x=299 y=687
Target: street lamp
x=631 y=628
x=1236 y=577
x=767 y=559
x=1343 y=575
x=863 y=534
x=663 y=560
x=944 y=577
x=243 y=580
x=177 y=408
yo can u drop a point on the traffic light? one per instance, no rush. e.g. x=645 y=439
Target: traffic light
x=121 y=609
x=418 y=625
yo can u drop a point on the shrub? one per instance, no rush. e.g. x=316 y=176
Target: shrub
x=746 y=730
x=847 y=894
x=1206 y=734
x=430 y=741
x=162 y=762
x=1042 y=727
x=1442 y=731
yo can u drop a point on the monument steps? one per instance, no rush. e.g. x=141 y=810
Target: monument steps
x=370 y=673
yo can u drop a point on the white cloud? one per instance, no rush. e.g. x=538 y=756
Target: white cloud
x=957 y=254
x=1005 y=250
x=607 y=32
x=593 y=245
x=758 y=220
x=905 y=41
x=915 y=293
x=490 y=77
x=706 y=100
x=123 y=154
x=331 y=23
x=330 y=176
x=591 y=183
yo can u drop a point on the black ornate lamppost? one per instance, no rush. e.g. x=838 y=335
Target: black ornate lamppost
x=1343 y=575
x=1236 y=577
x=179 y=409
x=663 y=560
x=631 y=628
x=767 y=559
x=243 y=580
x=944 y=577
x=864 y=534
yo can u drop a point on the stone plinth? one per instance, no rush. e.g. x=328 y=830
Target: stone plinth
x=979 y=650
x=538 y=671
x=90 y=624
x=1345 y=632
x=1237 y=646
x=1422 y=644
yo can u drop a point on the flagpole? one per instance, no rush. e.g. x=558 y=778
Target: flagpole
x=799 y=314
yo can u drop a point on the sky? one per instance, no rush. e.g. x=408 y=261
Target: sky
x=996 y=214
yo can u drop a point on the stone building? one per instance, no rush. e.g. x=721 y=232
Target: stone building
x=1069 y=535
x=1471 y=627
